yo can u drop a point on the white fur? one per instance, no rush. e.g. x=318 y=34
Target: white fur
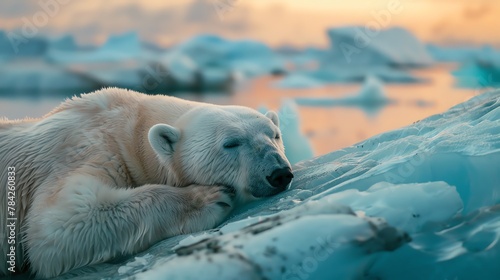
x=115 y=171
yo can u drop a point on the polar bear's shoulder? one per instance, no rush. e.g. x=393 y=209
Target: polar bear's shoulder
x=107 y=100
x=99 y=101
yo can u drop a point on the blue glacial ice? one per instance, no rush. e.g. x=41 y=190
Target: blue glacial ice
x=245 y=57
x=297 y=145
x=481 y=72
x=396 y=46
x=326 y=75
x=354 y=54
x=202 y=63
x=36 y=75
x=453 y=54
x=420 y=202
x=122 y=47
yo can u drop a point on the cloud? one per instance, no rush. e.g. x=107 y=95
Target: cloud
x=476 y=10
x=14 y=9
x=168 y=24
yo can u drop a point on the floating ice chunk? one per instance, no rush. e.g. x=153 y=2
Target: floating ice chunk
x=38 y=75
x=297 y=146
x=14 y=45
x=117 y=48
x=370 y=98
x=453 y=54
x=372 y=92
x=328 y=74
x=247 y=57
x=64 y=43
x=179 y=67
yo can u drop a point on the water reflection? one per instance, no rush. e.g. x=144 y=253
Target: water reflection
x=328 y=128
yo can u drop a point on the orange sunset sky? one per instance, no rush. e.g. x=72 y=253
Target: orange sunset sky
x=276 y=22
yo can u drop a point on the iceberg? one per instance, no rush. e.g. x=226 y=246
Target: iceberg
x=297 y=146
x=355 y=45
x=477 y=75
x=453 y=54
x=246 y=57
x=209 y=62
x=184 y=73
x=14 y=45
x=6 y=50
x=38 y=76
x=481 y=72
x=315 y=67
x=117 y=48
x=420 y=202
x=355 y=53
x=327 y=75
x=63 y=43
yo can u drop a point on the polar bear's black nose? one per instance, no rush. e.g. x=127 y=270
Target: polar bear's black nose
x=280 y=178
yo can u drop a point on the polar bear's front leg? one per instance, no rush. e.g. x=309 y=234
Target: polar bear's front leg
x=89 y=222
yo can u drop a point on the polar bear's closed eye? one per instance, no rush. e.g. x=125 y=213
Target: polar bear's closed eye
x=232 y=143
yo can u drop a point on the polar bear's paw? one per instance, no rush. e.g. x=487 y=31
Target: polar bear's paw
x=211 y=205
x=213 y=196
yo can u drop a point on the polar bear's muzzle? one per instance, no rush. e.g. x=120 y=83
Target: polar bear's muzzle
x=280 y=179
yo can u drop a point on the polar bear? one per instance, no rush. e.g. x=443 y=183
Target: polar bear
x=114 y=171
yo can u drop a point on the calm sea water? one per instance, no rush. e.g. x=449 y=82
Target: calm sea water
x=328 y=128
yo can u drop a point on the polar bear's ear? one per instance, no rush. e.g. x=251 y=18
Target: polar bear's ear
x=162 y=138
x=273 y=117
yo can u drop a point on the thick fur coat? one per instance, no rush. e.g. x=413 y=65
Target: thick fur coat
x=112 y=172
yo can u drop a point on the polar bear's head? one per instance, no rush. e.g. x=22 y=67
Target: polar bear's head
x=225 y=145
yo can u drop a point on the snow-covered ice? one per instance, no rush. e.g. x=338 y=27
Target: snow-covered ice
x=420 y=202
x=396 y=203
x=267 y=245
